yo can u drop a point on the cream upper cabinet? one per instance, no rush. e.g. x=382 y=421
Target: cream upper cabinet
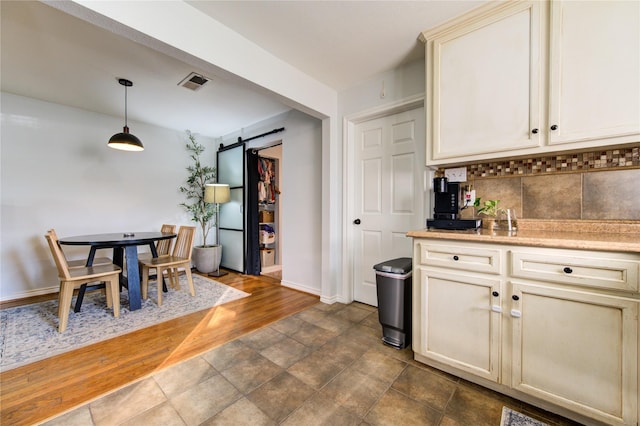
x=483 y=82
x=594 y=72
x=529 y=77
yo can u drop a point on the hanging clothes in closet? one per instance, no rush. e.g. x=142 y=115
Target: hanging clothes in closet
x=267 y=187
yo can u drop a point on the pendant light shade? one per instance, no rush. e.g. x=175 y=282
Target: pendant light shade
x=125 y=141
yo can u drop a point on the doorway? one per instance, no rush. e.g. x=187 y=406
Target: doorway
x=269 y=202
x=386 y=192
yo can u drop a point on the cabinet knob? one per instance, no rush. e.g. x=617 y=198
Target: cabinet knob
x=456 y=258
x=495 y=294
x=515 y=297
x=357 y=222
x=554 y=127
x=534 y=131
x=567 y=270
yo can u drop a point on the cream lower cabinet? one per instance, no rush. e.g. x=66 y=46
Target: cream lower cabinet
x=461 y=329
x=576 y=349
x=566 y=340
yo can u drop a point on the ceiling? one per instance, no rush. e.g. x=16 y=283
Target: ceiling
x=50 y=55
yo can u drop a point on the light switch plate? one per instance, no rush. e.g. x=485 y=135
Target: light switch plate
x=456 y=175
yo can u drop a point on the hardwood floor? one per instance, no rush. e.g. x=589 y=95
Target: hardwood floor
x=35 y=392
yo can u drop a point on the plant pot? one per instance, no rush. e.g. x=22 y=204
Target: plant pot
x=206 y=259
x=489 y=223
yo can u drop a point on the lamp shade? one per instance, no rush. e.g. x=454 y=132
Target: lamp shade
x=125 y=141
x=217 y=193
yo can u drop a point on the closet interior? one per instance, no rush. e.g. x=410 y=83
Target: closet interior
x=269 y=210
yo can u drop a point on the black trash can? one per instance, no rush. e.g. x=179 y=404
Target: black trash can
x=393 y=285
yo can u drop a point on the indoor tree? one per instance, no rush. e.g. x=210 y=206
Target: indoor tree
x=199 y=176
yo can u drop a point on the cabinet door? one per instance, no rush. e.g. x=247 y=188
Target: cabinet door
x=459 y=321
x=485 y=86
x=576 y=349
x=595 y=64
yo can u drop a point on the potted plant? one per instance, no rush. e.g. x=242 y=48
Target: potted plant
x=205 y=257
x=489 y=210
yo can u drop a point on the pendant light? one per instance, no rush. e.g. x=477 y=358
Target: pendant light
x=125 y=141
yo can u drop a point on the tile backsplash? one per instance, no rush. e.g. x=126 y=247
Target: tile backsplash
x=575 y=162
x=603 y=185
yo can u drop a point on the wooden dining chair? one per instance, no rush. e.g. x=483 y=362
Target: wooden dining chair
x=71 y=278
x=80 y=263
x=163 y=247
x=179 y=258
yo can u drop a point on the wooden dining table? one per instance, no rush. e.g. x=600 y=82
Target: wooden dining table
x=125 y=246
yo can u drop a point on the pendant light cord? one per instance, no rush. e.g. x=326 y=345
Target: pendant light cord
x=125 y=106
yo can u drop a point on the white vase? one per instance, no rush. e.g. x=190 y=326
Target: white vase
x=207 y=259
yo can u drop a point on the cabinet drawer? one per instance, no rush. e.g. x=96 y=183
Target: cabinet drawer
x=474 y=259
x=594 y=270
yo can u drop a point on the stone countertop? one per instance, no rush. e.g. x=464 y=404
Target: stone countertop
x=619 y=236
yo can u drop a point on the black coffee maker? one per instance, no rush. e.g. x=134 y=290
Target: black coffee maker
x=446 y=208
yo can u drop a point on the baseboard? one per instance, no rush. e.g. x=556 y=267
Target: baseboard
x=300 y=287
x=31 y=293
x=329 y=300
x=272 y=268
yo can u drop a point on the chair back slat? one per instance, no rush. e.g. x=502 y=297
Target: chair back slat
x=184 y=242
x=163 y=247
x=58 y=256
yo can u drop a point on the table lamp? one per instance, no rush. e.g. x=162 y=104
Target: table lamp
x=217 y=193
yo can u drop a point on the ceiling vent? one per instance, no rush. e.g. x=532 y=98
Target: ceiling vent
x=193 y=81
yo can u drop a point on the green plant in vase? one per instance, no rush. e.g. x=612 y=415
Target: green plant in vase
x=490 y=210
x=496 y=217
x=204 y=256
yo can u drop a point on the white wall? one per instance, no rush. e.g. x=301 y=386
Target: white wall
x=383 y=89
x=57 y=172
x=302 y=204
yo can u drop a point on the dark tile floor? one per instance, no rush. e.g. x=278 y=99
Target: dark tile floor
x=325 y=365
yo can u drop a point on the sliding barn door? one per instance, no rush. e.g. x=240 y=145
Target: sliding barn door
x=231 y=170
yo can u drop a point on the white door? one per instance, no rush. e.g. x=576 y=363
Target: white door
x=388 y=194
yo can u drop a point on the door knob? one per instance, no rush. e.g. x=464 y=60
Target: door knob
x=356 y=222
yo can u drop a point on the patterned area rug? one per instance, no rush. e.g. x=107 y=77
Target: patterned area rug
x=30 y=333
x=513 y=418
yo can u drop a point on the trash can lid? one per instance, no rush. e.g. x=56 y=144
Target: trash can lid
x=401 y=265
